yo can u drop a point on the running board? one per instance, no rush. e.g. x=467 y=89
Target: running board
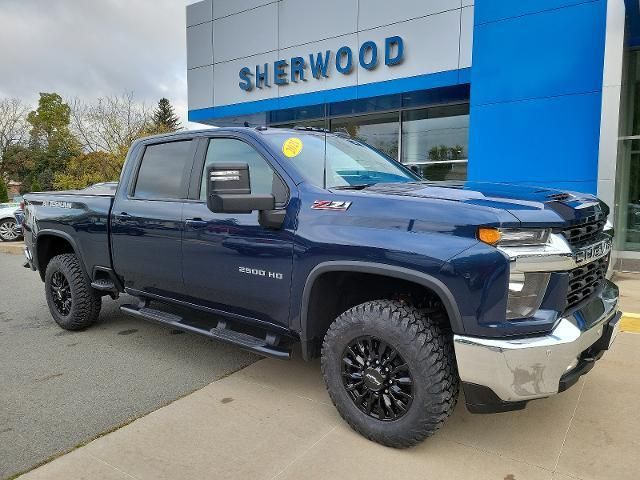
x=263 y=346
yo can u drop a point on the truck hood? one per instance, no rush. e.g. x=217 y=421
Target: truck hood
x=528 y=204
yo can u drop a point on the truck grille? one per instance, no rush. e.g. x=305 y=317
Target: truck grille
x=585 y=231
x=585 y=280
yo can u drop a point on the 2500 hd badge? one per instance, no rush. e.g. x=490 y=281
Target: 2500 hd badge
x=260 y=273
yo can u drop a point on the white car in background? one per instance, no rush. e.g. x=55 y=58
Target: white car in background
x=10 y=228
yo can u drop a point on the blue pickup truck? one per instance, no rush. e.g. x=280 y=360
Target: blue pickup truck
x=408 y=290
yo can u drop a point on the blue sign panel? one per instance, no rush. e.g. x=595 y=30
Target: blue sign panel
x=295 y=69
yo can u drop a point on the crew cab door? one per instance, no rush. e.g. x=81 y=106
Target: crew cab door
x=232 y=263
x=147 y=221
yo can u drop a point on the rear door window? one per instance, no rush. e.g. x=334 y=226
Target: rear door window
x=163 y=171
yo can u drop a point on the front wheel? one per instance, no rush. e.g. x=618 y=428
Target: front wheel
x=73 y=303
x=390 y=371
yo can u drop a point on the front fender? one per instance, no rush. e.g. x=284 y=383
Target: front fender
x=391 y=271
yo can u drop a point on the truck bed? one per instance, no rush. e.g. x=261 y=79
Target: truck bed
x=80 y=216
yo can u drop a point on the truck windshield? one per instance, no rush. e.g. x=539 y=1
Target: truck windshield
x=349 y=163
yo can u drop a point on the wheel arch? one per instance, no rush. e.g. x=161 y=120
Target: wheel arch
x=426 y=281
x=50 y=243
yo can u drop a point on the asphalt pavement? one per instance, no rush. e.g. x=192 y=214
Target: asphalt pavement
x=59 y=389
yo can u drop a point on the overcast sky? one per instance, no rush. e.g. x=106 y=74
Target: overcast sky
x=92 y=48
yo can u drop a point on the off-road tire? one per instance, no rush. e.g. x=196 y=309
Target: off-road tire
x=85 y=301
x=426 y=345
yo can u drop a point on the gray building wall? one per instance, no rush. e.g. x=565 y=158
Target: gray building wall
x=223 y=36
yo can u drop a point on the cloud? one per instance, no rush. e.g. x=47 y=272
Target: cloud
x=88 y=49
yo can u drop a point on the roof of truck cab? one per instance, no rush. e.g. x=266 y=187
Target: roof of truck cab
x=218 y=130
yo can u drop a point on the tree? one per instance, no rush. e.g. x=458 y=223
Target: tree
x=89 y=168
x=4 y=194
x=165 y=118
x=18 y=164
x=51 y=142
x=111 y=124
x=13 y=128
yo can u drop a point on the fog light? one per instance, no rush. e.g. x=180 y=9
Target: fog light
x=526 y=291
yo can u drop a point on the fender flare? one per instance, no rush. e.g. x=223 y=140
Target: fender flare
x=64 y=236
x=382 y=269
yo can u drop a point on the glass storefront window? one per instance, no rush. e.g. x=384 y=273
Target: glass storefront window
x=628 y=170
x=437 y=140
x=317 y=123
x=381 y=130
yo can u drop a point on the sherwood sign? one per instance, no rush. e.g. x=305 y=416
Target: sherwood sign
x=282 y=71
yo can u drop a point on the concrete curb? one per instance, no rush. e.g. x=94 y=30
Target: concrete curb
x=12 y=248
x=630 y=322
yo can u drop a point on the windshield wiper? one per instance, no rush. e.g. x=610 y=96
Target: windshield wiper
x=353 y=187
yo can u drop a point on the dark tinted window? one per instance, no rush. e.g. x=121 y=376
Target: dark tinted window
x=162 y=170
x=263 y=179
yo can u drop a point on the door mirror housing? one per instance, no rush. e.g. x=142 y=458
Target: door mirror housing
x=416 y=169
x=229 y=191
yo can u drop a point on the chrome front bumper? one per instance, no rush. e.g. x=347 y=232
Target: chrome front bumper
x=518 y=370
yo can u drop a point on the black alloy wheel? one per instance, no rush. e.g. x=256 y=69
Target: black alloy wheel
x=390 y=370
x=61 y=294
x=73 y=303
x=377 y=378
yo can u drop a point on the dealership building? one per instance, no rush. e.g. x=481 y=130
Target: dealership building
x=536 y=92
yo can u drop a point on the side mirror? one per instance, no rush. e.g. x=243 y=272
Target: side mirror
x=229 y=191
x=416 y=169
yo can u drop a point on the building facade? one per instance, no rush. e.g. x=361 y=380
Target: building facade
x=536 y=92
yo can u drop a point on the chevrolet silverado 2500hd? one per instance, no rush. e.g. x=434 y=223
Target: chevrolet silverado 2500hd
x=407 y=290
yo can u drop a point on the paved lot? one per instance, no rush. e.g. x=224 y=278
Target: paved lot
x=274 y=419
x=59 y=389
x=629 y=284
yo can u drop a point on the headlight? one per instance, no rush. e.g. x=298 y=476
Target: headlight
x=526 y=292
x=511 y=237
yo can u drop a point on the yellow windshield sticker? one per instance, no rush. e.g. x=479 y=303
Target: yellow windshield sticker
x=292 y=147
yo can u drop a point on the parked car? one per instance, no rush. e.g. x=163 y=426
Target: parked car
x=10 y=222
x=102 y=187
x=408 y=290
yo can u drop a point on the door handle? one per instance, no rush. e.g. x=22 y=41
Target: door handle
x=196 y=223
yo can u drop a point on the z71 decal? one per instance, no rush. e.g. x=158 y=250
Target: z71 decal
x=329 y=205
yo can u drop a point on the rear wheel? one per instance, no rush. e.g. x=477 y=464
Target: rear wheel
x=9 y=230
x=390 y=371
x=73 y=303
